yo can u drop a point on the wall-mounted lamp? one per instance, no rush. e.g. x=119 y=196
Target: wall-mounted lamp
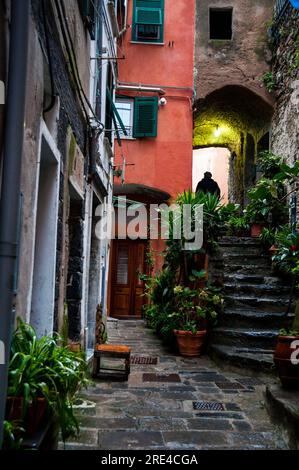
x=217 y=132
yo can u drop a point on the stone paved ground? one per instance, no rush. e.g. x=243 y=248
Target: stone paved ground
x=150 y=412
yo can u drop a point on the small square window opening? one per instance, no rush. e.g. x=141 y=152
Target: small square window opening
x=221 y=23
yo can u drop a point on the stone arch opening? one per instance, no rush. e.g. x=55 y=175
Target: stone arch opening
x=238 y=119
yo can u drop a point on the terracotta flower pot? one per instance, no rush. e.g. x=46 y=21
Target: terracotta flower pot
x=287 y=370
x=190 y=344
x=256 y=230
x=273 y=250
x=34 y=416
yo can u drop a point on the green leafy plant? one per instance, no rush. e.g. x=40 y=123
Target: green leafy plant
x=269 y=163
x=266 y=206
x=237 y=225
x=287 y=254
x=269 y=81
x=12 y=435
x=41 y=368
x=194 y=309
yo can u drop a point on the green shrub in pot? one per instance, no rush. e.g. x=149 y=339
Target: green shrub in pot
x=42 y=369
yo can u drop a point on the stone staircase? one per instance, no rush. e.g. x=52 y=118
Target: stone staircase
x=255 y=304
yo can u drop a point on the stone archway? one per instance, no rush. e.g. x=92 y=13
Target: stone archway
x=236 y=118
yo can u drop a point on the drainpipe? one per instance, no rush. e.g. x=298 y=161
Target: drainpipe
x=10 y=193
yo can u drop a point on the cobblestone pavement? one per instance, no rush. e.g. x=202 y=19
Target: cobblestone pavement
x=178 y=403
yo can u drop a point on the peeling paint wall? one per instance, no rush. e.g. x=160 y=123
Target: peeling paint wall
x=233 y=108
x=240 y=61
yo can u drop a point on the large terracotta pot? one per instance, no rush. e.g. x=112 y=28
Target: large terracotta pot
x=288 y=372
x=34 y=416
x=190 y=344
x=256 y=230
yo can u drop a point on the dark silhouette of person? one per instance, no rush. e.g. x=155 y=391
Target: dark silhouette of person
x=208 y=185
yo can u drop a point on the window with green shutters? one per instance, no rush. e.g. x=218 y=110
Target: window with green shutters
x=145 y=117
x=148 y=21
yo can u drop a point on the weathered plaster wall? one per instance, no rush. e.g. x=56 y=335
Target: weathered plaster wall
x=240 y=61
x=30 y=170
x=230 y=94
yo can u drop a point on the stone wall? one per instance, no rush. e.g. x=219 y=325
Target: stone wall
x=285 y=123
x=229 y=90
x=240 y=61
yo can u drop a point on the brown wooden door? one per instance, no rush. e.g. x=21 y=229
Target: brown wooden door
x=127 y=288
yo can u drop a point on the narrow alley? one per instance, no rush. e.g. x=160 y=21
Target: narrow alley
x=171 y=402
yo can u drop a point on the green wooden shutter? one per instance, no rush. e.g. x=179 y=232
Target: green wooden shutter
x=147 y=13
x=145 y=117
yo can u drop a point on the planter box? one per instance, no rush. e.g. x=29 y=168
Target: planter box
x=35 y=414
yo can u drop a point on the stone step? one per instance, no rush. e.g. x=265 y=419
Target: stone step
x=259 y=290
x=283 y=407
x=239 y=241
x=265 y=303
x=245 y=259
x=253 y=279
x=254 y=318
x=242 y=268
x=245 y=337
x=239 y=249
x=257 y=359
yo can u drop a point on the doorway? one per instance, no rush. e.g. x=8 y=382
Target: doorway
x=43 y=287
x=216 y=160
x=128 y=262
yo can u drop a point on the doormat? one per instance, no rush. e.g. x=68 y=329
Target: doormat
x=208 y=405
x=161 y=378
x=144 y=360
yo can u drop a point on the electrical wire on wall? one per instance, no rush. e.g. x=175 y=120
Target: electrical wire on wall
x=74 y=66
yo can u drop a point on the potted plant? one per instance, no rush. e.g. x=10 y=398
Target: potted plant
x=285 y=357
x=265 y=209
x=195 y=309
x=43 y=379
x=238 y=225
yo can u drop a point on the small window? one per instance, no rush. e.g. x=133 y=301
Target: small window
x=148 y=21
x=145 y=117
x=221 y=23
x=125 y=109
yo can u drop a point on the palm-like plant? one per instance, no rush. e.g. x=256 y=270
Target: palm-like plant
x=41 y=368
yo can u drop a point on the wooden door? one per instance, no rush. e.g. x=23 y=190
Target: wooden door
x=127 y=288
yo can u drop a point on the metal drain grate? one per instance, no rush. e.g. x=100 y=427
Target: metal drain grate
x=161 y=378
x=208 y=405
x=144 y=360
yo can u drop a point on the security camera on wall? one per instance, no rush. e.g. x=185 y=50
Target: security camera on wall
x=163 y=102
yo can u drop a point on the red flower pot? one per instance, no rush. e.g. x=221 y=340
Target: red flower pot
x=256 y=230
x=190 y=344
x=288 y=371
x=34 y=416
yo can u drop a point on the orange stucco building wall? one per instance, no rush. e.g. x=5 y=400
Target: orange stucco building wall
x=164 y=162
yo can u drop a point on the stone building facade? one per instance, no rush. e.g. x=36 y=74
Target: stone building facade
x=285 y=44
x=233 y=108
x=67 y=167
x=285 y=70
